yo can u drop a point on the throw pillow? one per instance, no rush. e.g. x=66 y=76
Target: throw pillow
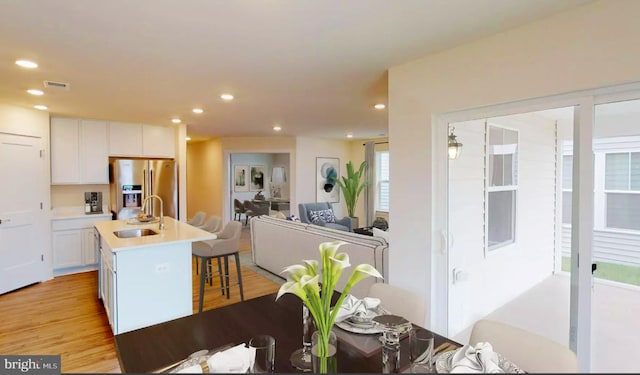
x=326 y=216
x=380 y=233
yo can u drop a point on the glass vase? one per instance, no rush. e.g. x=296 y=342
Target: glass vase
x=301 y=358
x=324 y=353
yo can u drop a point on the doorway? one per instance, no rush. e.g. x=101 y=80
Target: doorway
x=503 y=221
x=264 y=179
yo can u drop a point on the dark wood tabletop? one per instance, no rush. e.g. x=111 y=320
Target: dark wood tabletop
x=151 y=348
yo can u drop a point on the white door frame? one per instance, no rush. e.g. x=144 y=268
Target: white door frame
x=582 y=211
x=227 y=180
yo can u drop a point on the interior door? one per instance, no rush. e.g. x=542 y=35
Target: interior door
x=21 y=213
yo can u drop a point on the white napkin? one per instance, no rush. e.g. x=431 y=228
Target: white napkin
x=351 y=305
x=234 y=360
x=480 y=358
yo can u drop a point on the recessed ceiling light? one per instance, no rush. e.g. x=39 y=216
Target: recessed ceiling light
x=27 y=64
x=349 y=135
x=176 y=120
x=277 y=128
x=35 y=92
x=187 y=138
x=197 y=110
x=41 y=107
x=379 y=106
x=226 y=97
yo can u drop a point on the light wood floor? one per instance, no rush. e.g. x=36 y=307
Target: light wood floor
x=64 y=316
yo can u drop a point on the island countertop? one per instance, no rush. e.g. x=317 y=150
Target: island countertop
x=174 y=232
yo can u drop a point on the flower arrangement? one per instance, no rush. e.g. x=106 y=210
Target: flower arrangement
x=304 y=281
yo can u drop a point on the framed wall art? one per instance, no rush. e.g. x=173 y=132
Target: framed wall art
x=257 y=178
x=327 y=190
x=240 y=178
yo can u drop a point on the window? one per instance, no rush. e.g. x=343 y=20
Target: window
x=382 y=181
x=502 y=181
x=622 y=189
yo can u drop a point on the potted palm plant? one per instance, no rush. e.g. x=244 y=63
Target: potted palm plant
x=351 y=187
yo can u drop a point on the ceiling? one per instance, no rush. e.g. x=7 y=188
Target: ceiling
x=314 y=67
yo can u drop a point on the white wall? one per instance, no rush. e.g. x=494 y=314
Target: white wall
x=590 y=46
x=307 y=150
x=531 y=258
x=17 y=120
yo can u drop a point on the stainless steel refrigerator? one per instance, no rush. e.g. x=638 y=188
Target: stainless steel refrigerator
x=132 y=180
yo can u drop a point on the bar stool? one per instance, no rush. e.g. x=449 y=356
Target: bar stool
x=228 y=243
x=212 y=225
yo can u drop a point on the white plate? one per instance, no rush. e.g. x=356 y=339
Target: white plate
x=358 y=328
x=443 y=363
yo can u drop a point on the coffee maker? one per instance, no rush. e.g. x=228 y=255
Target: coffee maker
x=92 y=202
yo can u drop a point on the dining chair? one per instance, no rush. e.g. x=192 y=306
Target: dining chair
x=251 y=210
x=529 y=351
x=197 y=219
x=227 y=244
x=238 y=209
x=400 y=302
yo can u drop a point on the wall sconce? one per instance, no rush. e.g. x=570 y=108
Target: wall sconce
x=455 y=147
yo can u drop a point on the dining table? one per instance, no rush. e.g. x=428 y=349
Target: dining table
x=160 y=346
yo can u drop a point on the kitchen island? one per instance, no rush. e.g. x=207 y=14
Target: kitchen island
x=145 y=273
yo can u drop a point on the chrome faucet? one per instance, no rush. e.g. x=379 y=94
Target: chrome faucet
x=144 y=203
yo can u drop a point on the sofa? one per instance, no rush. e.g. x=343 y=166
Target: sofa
x=278 y=243
x=305 y=216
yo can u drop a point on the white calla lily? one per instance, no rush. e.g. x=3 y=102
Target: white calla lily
x=312 y=267
x=292 y=287
x=296 y=271
x=303 y=281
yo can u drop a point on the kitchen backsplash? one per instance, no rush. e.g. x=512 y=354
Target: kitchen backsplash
x=73 y=195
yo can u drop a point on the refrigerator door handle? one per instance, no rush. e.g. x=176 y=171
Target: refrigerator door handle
x=144 y=186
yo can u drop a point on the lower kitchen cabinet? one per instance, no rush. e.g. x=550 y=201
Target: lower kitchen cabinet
x=74 y=245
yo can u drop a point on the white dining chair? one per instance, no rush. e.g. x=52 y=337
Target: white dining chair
x=400 y=302
x=529 y=351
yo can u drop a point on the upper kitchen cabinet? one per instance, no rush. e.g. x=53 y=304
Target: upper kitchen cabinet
x=125 y=139
x=137 y=140
x=158 y=141
x=79 y=152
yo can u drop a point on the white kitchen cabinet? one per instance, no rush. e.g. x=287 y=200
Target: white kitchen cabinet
x=79 y=152
x=108 y=286
x=74 y=245
x=65 y=151
x=89 y=250
x=125 y=139
x=158 y=141
x=94 y=152
x=66 y=249
x=140 y=140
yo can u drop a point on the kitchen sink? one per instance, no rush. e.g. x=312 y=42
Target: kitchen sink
x=130 y=233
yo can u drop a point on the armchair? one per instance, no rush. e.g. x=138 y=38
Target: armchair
x=305 y=216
